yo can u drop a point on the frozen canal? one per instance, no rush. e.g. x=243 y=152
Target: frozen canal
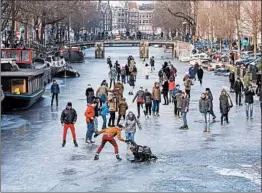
x=227 y=159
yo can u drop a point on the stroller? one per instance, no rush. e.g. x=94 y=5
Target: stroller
x=141 y=153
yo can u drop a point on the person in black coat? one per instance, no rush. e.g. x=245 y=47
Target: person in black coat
x=118 y=69
x=258 y=83
x=249 y=100
x=200 y=74
x=165 y=92
x=238 y=87
x=127 y=72
x=232 y=80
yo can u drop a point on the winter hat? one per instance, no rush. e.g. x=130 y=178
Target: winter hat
x=89 y=86
x=141 y=87
x=69 y=104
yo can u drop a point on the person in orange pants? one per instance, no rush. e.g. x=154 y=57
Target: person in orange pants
x=68 y=119
x=108 y=136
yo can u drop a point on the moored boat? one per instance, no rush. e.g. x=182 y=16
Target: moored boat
x=22 y=87
x=73 y=54
x=67 y=72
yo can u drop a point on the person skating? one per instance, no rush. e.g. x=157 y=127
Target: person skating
x=109 y=62
x=127 y=72
x=112 y=76
x=210 y=97
x=165 y=92
x=161 y=75
x=204 y=108
x=176 y=94
x=68 y=120
x=171 y=87
x=258 y=83
x=131 y=84
x=187 y=84
x=118 y=69
x=147 y=71
x=152 y=63
x=148 y=103
x=102 y=93
x=156 y=95
x=139 y=97
x=260 y=100
x=232 y=80
x=112 y=103
x=108 y=136
x=97 y=103
x=224 y=105
x=55 y=90
x=90 y=116
x=249 y=100
x=123 y=75
x=192 y=72
x=90 y=95
x=104 y=109
x=119 y=89
x=184 y=109
x=130 y=126
x=238 y=87
x=200 y=73
x=122 y=108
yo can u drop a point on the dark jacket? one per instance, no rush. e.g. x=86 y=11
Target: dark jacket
x=200 y=73
x=148 y=97
x=231 y=77
x=165 y=86
x=210 y=96
x=260 y=96
x=204 y=105
x=249 y=96
x=55 y=89
x=90 y=93
x=238 y=87
x=140 y=96
x=224 y=104
x=68 y=116
x=152 y=62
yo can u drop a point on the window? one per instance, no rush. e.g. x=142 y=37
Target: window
x=18 y=85
x=5 y=54
x=15 y=55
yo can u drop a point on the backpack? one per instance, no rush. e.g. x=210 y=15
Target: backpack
x=134 y=69
x=144 y=151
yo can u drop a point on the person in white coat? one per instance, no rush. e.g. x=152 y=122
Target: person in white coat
x=147 y=70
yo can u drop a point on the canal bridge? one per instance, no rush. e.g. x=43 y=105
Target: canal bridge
x=142 y=44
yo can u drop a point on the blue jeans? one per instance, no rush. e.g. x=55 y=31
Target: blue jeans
x=104 y=121
x=130 y=136
x=249 y=108
x=206 y=118
x=184 y=118
x=90 y=131
x=155 y=107
x=96 y=124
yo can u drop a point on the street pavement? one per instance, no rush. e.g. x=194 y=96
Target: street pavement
x=227 y=159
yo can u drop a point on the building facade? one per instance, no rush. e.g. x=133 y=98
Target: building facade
x=133 y=18
x=145 y=18
x=105 y=14
x=119 y=20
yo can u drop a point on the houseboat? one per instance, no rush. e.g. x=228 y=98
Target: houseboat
x=22 y=87
x=25 y=59
x=75 y=53
x=67 y=72
x=56 y=63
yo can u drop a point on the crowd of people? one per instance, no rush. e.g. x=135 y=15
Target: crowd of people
x=109 y=99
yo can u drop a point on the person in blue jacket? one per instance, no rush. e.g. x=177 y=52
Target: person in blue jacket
x=55 y=90
x=104 y=111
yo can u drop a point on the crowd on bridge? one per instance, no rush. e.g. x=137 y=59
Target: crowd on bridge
x=109 y=99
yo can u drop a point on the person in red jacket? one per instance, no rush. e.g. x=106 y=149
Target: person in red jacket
x=90 y=116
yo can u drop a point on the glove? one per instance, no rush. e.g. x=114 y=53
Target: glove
x=96 y=135
x=127 y=141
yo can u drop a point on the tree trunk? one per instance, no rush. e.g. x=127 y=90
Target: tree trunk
x=42 y=33
x=12 y=34
x=25 y=32
x=255 y=42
